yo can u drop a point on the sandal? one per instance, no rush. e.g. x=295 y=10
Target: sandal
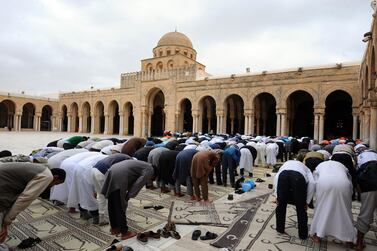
x=195 y=235
x=163 y=233
x=259 y=180
x=153 y=235
x=208 y=236
x=175 y=234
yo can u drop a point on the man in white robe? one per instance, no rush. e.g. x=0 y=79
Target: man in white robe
x=261 y=156
x=246 y=161
x=82 y=189
x=272 y=150
x=332 y=212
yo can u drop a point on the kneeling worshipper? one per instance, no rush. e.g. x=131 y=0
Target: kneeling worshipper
x=99 y=171
x=124 y=181
x=202 y=164
x=20 y=185
x=293 y=184
x=367 y=181
x=333 y=204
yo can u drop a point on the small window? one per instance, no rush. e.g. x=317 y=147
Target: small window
x=160 y=53
x=168 y=52
x=190 y=55
x=176 y=51
x=185 y=53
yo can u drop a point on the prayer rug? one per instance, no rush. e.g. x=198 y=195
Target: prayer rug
x=56 y=228
x=256 y=231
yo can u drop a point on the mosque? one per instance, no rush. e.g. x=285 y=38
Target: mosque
x=172 y=91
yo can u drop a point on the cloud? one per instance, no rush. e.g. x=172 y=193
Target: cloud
x=50 y=46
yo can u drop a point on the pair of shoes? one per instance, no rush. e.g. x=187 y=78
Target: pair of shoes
x=28 y=243
x=166 y=234
x=259 y=180
x=239 y=191
x=128 y=235
x=159 y=207
x=268 y=175
x=143 y=237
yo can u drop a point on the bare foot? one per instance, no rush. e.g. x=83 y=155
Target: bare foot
x=316 y=239
x=128 y=235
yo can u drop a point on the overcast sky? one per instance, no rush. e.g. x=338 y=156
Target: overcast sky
x=47 y=46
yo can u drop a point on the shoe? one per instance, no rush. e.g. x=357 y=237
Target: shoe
x=142 y=237
x=163 y=233
x=175 y=234
x=128 y=235
x=195 y=235
x=259 y=180
x=208 y=236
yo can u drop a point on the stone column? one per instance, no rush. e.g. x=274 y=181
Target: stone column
x=373 y=127
x=93 y=122
x=321 y=126
x=367 y=125
x=80 y=123
x=283 y=123
x=106 y=129
x=316 y=126
x=361 y=118
x=15 y=123
x=278 y=123
x=354 y=126
x=149 y=128
x=252 y=118
x=39 y=123
x=176 y=122
x=121 y=123
x=217 y=123
x=246 y=126
x=69 y=122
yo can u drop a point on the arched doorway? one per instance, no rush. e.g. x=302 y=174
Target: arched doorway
x=235 y=118
x=129 y=119
x=338 y=115
x=113 y=118
x=157 y=106
x=64 y=122
x=74 y=124
x=27 y=119
x=46 y=124
x=86 y=118
x=185 y=116
x=99 y=118
x=265 y=114
x=300 y=114
x=7 y=111
x=207 y=115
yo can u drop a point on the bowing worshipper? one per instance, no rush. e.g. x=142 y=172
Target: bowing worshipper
x=367 y=182
x=69 y=165
x=123 y=181
x=97 y=146
x=333 y=203
x=181 y=174
x=246 y=161
x=202 y=164
x=142 y=153
x=99 y=171
x=217 y=169
x=281 y=152
x=293 y=184
x=229 y=161
x=261 y=150
x=345 y=155
x=132 y=145
x=58 y=191
x=154 y=160
x=166 y=168
x=20 y=185
x=313 y=159
x=272 y=150
x=81 y=194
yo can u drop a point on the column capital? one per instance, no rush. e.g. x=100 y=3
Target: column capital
x=38 y=114
x=281 y=110
x=319 y=111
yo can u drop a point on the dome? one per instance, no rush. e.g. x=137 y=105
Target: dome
x=174 y=38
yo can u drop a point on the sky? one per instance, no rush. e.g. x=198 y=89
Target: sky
x=51 y=46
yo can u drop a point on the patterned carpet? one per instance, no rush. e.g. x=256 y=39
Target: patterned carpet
x=256 y=231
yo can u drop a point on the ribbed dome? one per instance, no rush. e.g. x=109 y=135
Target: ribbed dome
x=174 y=38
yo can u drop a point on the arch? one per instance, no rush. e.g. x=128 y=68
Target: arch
x=74 y=117
x=86 y=117
x=207 y=115
x=265 y=114
x=64 y=118
x=27 y=118
x=46 y=122
x=149 y=67
x=99 y=117
x=7 y=112
x=114 y=119
x=170 y=64
x=300 y=114
x=234 y=112
x=159 y=66
x=129 y=120
x=156 y=118
x=373 y=76
x=308 y=90
x=338 y=115
x=185 y=116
